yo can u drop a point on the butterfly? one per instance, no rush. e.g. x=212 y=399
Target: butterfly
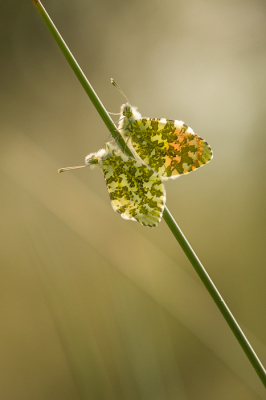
x=169 y=147
x=136 y=191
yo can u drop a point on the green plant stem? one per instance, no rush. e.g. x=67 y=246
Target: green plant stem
x=206 y=280
x=81 y=76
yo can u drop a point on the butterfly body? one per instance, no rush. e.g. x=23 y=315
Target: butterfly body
x=169 y=147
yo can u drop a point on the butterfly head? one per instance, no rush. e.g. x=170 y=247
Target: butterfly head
x=94 y=159
x=129 y=112
x=126 y=110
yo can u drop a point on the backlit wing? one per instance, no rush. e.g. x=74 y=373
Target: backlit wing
x=136 y=192
x=169 y=147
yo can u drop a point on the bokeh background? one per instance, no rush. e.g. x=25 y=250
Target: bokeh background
x=95 y=307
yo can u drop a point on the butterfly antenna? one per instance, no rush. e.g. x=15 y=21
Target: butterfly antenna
x=69 y=168
x=113 y=82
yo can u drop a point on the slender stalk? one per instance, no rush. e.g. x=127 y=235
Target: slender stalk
x=206 y=280
x=81 y=76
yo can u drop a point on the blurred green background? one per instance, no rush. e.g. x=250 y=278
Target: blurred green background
x=95 y=307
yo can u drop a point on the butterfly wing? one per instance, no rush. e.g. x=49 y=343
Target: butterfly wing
x=169 y=147
x=136 y=192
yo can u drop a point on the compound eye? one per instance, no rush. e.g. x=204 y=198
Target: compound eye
x=127 y=112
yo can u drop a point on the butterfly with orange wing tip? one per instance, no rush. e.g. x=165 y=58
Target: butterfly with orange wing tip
x=169 y=147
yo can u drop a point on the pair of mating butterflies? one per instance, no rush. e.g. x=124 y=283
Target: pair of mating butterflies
x=163 y=149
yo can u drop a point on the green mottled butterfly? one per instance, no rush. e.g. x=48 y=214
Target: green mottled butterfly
x=169 y=147
x=136 y=191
